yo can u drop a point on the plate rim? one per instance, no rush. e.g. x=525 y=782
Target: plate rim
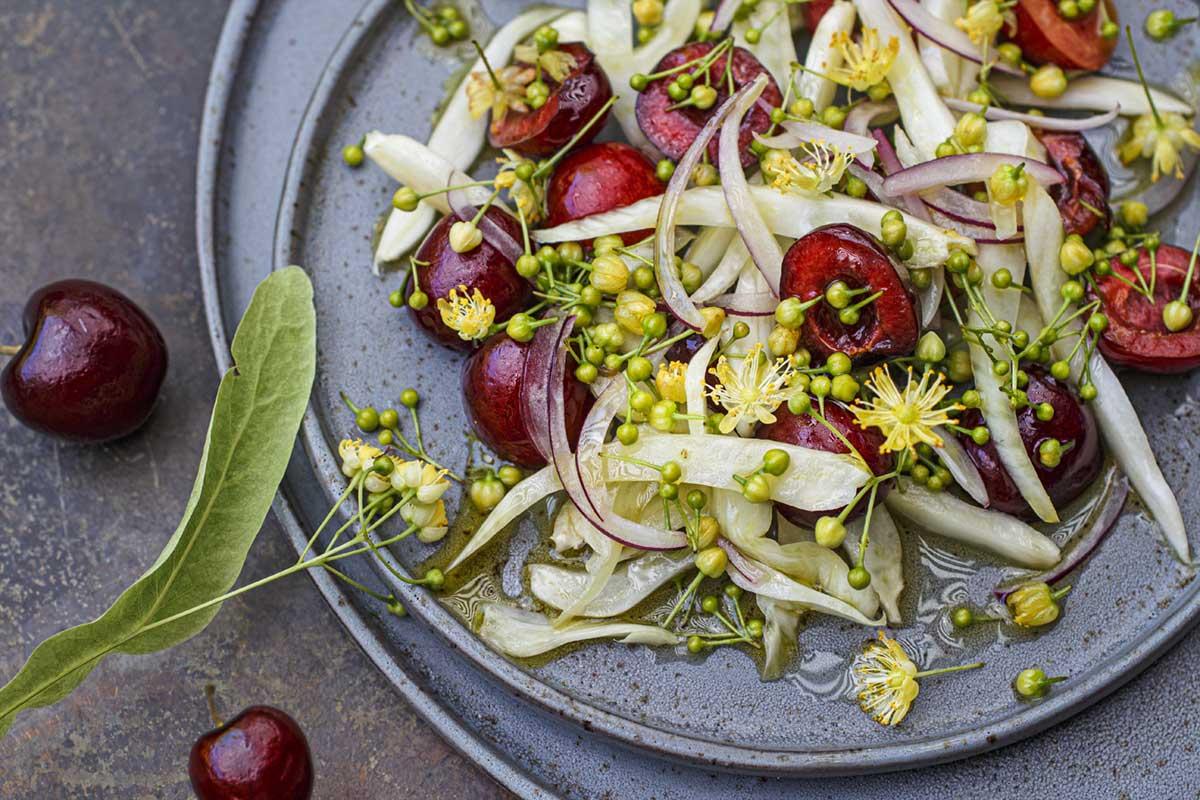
x=1100 y=681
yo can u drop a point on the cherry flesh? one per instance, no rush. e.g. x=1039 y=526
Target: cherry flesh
x=1072 y=424
x=1086 y=188
x=805 y=430
x=91 y=366
x=599 y=178
x=672 y=130
x=571 y=105
x=484 y=268
x=1046 y=37
x=887 y=326
x=1136 y=336
x=261 y=754
x=493 y=380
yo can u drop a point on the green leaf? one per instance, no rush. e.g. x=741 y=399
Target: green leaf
x=258 y=410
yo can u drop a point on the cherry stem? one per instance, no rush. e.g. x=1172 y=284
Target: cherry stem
x=209 y=695
x=9 y=349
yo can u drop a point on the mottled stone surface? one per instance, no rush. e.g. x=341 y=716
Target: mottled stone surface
x=100 y=107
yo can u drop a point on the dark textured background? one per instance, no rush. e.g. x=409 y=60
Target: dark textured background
x=99 y=111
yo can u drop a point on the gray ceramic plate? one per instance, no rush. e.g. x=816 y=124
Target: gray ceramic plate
x=1130 y=603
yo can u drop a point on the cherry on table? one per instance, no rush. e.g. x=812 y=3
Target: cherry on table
x=493 y=380
x=91 y=366
x=261 y=754
x=571 y=105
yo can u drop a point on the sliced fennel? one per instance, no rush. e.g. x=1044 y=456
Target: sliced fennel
x=944 y=66
x=782 y=622
x=630 y=584
x=524 y=634
x=998 y=533
x=822 y=56
x=774 y=49
x=1114 y=412
x=884 y=559
x=519 y=499
x=415 y=165
x=600 y=567
x=708 y=248
x=963 y=469
x=736 y=256
x=790 y=214
x=1092 y=93
x=814 y=481
x=694 y=382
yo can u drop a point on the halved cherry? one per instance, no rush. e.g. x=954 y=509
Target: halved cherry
x=571 y=105
x=599 y=178
x=492 y=382
x=1046 y=37
x=484 y=268
x=812 y=11
x=1136 y=335
x=805 y=430
x=1085 y=192
x=1072 y=424
x=672 y=130
x=887 y=326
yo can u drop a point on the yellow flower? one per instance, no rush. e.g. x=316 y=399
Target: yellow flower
x=483 y=93
x=984 y=20
x=818 y=172
x=755 y=392
x=671 y=381
x=356 y=456
x=907 y=418
x=557 y=64
x=1034 y=604
x=866 y=62
x=1160 y=139
x=529 y=196
x=470 y=315
x=886 y=679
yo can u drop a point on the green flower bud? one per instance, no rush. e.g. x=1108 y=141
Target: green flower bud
x=830 y=532
x=711 y=561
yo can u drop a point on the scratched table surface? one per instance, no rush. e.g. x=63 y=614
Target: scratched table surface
x=100 y=107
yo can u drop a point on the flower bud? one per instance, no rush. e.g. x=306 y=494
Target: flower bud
x=632 y=308
x=711 y=561
x=970 y=129
x=709 y=530
x=783 y=341
x=610 y=274
x=1075 y=256
x=714 y=318
x=1033 y=605
x=464 y=237
x=1048 y=81
x=648 y=12
x=671 y=381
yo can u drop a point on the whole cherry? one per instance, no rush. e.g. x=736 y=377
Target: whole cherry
x=91 y=366
x=261 y=754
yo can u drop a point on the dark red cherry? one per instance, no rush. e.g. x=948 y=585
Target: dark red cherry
x=886 y=327
x=805 y=430
x=91 y=365
x=572 y=103
x=261 y=754
x=484 y=268
x=599 y=178
x=492 y=383
x=1136 y=336
x=673 y=130
x=1047 y=37
x=1086 y=189
x=812 y=11
x=1072 y=424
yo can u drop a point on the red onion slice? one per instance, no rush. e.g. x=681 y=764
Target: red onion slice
x=958 y=206
x=759 y=241
x=980 y=233
x=945 y=35
x=862 y=115
x=890 y=163
x=798 y=133
x=675 y=296
x=723 y=16
x=1035 y=121
x=496 y=236
x=968 y=168
x=535 y=388
x=1115 y=492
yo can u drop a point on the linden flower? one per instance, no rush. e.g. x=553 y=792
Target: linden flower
x=820 y=171
x=500 y=95
x=469 y=315
x=671 y=381
x=356 y=456
x=984 y=20
x=907 y=418
x=429 y=482
x=555 y=63
x=866 y=62
x=529 y=196
x=755 y=392
x=886 y=679
x=1160 y=138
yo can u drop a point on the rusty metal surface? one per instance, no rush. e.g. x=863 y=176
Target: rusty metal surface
x=100 y=107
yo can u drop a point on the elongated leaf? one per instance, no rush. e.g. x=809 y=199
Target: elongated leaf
x=258 y=410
